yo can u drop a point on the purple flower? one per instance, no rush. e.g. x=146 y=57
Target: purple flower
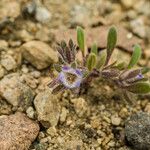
x=70 y=77
x=139 y=76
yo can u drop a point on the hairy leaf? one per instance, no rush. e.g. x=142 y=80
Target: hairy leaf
x=94 y=49
x=81 y=39
x=139 y=88
x=135 y=56
x=110 y=73
x=121 y=66
x=91 y=61
x=111 y=42
x=101 y=59
x=145 y=70
x=128 y=74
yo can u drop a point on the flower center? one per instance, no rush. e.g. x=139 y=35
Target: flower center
x=70 y=77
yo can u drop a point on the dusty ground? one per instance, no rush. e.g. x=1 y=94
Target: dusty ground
x=29 y=31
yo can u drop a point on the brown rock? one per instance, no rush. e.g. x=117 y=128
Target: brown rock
x=17 y=132
x=125 y=41
x=39 y=54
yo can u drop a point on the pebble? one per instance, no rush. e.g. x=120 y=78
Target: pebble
x=147 y=108
x=17 y=132
x=8 y=62
x=137 y=131
x=39 y=54
x=138 y=27
x=115 y=120
x=42 y=14
x=63 y=114
x=80 y=15
x=3 y=45
x=9 y=9
x=80 y=106
x=48 y=108
x=30 y=112
x=52 y=131
x=128 y=3
x=2 y=71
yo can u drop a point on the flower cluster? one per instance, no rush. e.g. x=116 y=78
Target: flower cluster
x=72 y=73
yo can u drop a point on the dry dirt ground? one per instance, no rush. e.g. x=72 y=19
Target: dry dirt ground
x=29 y=31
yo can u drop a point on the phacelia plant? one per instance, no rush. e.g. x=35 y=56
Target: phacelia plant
x=74 y=74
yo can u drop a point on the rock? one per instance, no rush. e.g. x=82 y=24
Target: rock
x=3 y=45
x=24 y=35
x=115 y=120
x=80 y=15
x=80 y=106
x=138 y=27
x=5 y=108
x=36 y=10
x=8 y=62
x=128 y=4
x=30 y=112
x=51 y=131
x=63 y=114
x=47 y=107
x=15 y=92
x=39 y=54
x=147 y=108
x=9 y=9
x=42 y=15
x=137 y=131
x=2 y=71
x=17 y=132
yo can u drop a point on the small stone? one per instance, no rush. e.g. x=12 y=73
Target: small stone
x=147 y=108
x=8 y=62
x=99 y=140
x=5 y=108
x=128 y=3
x=3 y=45
x=138 y=27
x=42 y=15
x=80 y=106
x=15 y=92
x=52 y=131
x=17 y=132
x=39 y=54
x=2 y=71
x=30 y=112
x=47 y=107
x=80 y=15
x=9 y=9
x=115 y=120
x=137 y=131
x=123 y=113
x=24 y=35
x=36 y=74
x=63 y=114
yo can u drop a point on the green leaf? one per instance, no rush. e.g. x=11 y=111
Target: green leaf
x=81 y=39
x=94 y=49
x=101 y=59
x=139 y=88
x=145 y=70
x=121 y=66
x=135 y=56
x=111 y=41
x=74 y=65
x=91 y=61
